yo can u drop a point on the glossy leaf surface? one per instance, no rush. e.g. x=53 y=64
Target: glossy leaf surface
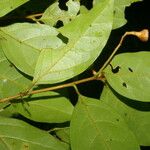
x=96 y=126
x=130 y=75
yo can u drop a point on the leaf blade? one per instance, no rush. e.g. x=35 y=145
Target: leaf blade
x=53 y=13
x=119 y=12
x=51 y=108
x=8 y=5
x=86 y=35
x=97 y=126
x=132 y=77
x=14 y=135
x=135 y=114
x=11 y=81
x=23 y=42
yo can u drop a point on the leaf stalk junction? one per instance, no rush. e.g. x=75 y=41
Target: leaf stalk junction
x=142 y=35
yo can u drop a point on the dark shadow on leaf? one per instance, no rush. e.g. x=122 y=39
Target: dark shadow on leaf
x=139 y=105
x=20 y=13
x=43 y=126
x=29 y=98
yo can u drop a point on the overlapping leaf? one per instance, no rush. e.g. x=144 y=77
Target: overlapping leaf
x=119 y=12
x=17 y=135
x=96 y=126
x=63 y=134
x=46 y=107
x=130 y=75
x=87 y=35
x=8 y=5
x=53 y=13
x=11 y=81
x=23 y=42
x=137 y=115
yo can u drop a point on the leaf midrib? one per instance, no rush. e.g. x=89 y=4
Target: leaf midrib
x=73 y=43
x=95 y=125
x=29 y=141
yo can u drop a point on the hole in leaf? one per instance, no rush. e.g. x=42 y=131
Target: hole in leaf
x=59 y=24
x=63 y=38
x=116 y=69
x=130 y=69
x=62 y=5
x=124 y=84
x=88 y=4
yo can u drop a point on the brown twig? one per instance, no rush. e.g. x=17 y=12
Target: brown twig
x=34 y=16
x=20 y=95
x=142 y=35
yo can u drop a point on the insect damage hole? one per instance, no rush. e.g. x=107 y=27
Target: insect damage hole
x=116 y=69
x=124 y=84
x=130 y=69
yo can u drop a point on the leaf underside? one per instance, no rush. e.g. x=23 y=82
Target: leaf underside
x=87 y=34
x=53 y=13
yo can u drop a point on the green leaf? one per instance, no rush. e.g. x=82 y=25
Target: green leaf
x=96 y=126
x=11 y=81
x=23 y=42
x=51 y=108
x=136 y=114
x=63 y=134
x=8 y=5
x=4 y=112
x=53 y=13
x=18 y=135
x=130 y=75
x=119 y=12
x=87 y=35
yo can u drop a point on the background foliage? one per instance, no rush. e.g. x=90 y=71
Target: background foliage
x=44 y=44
